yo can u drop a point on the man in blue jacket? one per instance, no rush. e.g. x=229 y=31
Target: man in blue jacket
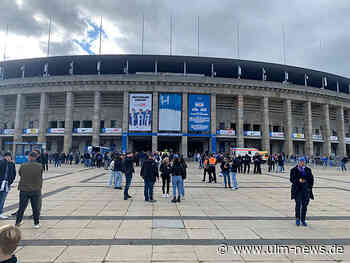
x=302 y=182
x=7 y=177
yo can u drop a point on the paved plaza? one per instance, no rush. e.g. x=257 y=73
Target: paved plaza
x=84 y=220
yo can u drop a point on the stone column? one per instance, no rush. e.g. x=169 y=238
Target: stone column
x=265 y=125
x=125 y=123
x=212 y=123
x=18 y=121
x=309 y=145
x=288 y=142
x=155 y=121
x=43 y=119
x=184 y=139
x=96 y=124
x=240 y=121
x=68 y=122
x=341 y=131
x=326 y=130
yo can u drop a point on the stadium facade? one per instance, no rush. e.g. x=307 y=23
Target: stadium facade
x=189 y=104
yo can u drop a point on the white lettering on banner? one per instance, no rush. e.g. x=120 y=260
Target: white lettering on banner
x=83 y=130
x=31 y=131
x=8 y=131
x=252 y=133
x=317 y=137
x=56 y=130
x=226 y=132
x=277 y=134
x=347 y=139
x=333 y=138
x=169 y=134
x=112 y=130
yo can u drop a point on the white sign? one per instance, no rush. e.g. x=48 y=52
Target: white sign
x=140 y=112
x=170 y=108
x=83 y=130
x=277 y=134
x=169 y=134
x=333 y=138
x=31 y=131
x=56 y=130
x=317 y=137
x=347 y=139
x=8 y=131
x=226 y=132
x=252 y=133
x=112 y=130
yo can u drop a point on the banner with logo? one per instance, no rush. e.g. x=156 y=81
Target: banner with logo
x=333 y=138
x=8 y=131
x=140 y=112
x=317 y=137
x=277 y=134
x=170 y=108
x=83 y=130
x=226 y=132
x=298 y=135
x=112 y=130
x=56 y=130
x=252 y=133
x=347 y=139
x=199 y=112
x=31 y=131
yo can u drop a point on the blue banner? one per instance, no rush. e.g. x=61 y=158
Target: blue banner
x=199 y=112
x=170 y=108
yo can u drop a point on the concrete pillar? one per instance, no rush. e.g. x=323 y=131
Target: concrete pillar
x=184 y=139
x=96 y=124
x=67 y=145
x=341 y=131
x=288 y=142
x=326 y=130
x=43 y=119
x=309 y=145
x=155 y=121
x=265 y=125
x=212 y=123
x=240 y=121
x=18 y=121
x=125 y=122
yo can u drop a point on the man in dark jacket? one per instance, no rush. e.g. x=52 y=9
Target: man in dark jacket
x=128 y=168
x=149 y=173
x=7 y=176
x=302 y=182
x=246 y=161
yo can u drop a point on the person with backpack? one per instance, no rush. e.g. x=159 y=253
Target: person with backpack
x=149 y=173
x=176 y=180
x=166 y=171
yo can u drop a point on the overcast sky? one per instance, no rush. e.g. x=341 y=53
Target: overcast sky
x=316 y=31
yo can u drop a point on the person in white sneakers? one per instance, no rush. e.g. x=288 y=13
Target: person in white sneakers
x=7 y=177
x=30 y=185
x=165 y=170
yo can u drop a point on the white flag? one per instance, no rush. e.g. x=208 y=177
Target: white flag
x=306 y=77
x=264 y=76
x=71 y=68
x=99 y=67
x=46 y=69
x=286 y=76
x=239 y=72
x=23 y=67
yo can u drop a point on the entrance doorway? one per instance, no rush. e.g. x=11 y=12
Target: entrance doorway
x=141 y=144
x=169 y=143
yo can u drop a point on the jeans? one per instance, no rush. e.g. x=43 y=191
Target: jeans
x=118 y=177
x=182 y=187
x=343 y=166
x=3 y=195
x=128 y=178
x=301 y=202
x=234 y=180
x=227 y=178
x=24 y=198
x=148 y=190
x=176 y=182
x=112 y=178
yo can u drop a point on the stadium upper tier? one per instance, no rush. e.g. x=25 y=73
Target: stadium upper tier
x=176 y=65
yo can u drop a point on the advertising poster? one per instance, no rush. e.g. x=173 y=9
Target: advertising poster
x=199 y=113
x=112 y=130
x=140 y=112
x=170 y=108
x=56 y=130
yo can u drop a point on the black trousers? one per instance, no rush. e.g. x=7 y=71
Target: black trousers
x=165 y=182
x=246 y=168
x=302 y=200
x=205 y=171
x=35 y=202
x=212 y=174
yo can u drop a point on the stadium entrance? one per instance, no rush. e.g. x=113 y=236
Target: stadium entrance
x=141 y=143
x=197 y=145
x=169 y=143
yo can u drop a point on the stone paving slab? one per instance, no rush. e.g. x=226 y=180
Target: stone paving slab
x=84 y=220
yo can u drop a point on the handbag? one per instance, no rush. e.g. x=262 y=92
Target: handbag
x=5 y=184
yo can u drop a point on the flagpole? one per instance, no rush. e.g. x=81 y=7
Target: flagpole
x=171 y=34
x=49 y=38
x=238 y=40
x=100 y=50
x=143 y=32
x=284 y=44
x=198 y=37
x=5 y=41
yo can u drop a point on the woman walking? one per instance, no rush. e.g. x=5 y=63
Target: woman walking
x=166 y=170
x=176 y=180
